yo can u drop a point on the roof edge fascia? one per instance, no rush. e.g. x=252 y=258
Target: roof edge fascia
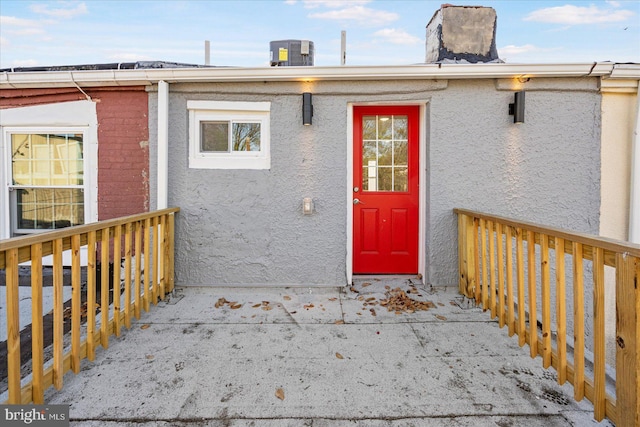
x=98 y=78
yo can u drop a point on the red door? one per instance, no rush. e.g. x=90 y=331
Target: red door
x=385 y=193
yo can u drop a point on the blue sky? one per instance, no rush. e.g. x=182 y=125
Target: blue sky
x=35 y=33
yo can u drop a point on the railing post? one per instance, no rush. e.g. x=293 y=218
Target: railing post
x=171 y=231
x=467 y=255
x=13 y=327
x=627 y=340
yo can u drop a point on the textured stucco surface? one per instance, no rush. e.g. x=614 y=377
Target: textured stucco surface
x=546 y=170
x=247 y=227
x=462 y=33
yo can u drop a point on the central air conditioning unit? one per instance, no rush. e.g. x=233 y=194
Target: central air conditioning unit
x=286 y=53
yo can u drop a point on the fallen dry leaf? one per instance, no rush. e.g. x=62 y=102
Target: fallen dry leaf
x=256 y=305
x=397 y=300
x=373 y=312
x=145 y=326
x=333 y=299
x=339 y=356
x=365 y=284
x=339 y=322
x=267 y=308
x=441 y=304
x=150 y=356
x=280 y=393
x=308 y=306
x=234 y=305
x=441 y=317
x=286 y=298
x=354 y=290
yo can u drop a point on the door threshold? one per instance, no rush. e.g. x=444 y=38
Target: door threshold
x=382 y=277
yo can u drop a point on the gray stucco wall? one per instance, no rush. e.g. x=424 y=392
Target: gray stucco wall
x=546 y=170
x=247 y=227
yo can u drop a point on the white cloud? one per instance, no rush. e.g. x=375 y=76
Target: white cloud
x=515 y=50
x=395 y=36
x=4 y=42
x=334 y=4
x=17 y=22
x=27 y=31
x=64 y=13
x=614 y=3
x=24 y=63
x=129 y=57
x=359 y=14
x=576 y=15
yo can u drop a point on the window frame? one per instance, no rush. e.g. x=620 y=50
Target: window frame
x=229 y=111
x=50 y=118
x=11 y=199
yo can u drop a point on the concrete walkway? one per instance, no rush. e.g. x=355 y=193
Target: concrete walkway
x=316 y=357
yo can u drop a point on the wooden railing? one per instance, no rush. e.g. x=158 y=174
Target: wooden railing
x=144 y=242
x=487 y=247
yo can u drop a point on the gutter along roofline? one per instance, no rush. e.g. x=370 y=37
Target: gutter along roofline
x=132 y=77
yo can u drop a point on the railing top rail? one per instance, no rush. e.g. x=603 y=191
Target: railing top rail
x=586 y=239
x=22 y=241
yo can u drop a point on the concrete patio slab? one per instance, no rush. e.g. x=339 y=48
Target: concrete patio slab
x=188 y=362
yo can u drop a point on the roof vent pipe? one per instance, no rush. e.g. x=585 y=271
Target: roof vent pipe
x=343 y=47
x=207 y=52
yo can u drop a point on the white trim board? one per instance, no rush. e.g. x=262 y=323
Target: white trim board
x=422 y=211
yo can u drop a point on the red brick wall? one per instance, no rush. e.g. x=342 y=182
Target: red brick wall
x=123 y=142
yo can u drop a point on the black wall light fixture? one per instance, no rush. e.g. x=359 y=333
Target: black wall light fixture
x=517 y=108
x=307 y=109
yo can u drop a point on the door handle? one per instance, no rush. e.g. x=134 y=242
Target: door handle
x=357 y=202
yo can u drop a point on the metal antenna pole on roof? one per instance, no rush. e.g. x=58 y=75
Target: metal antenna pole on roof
x=343 y=47
x=207 y=52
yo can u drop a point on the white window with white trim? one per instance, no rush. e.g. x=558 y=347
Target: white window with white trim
x=49 y=174
x=46 y=179
x=229 y=135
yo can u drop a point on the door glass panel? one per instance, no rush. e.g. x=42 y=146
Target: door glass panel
x=369 y=153
x=369 y=128
x=370 y=177
x=400 y=182
x=385 y=127
x=400 y=127
x=400 y=153
x=384 y=153
x=385 y=179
